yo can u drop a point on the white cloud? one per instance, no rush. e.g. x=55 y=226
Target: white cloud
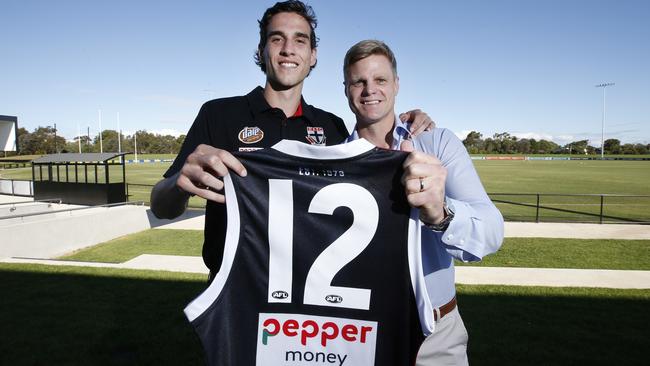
x=533 y=135
x=462 y=134
x=167 y=131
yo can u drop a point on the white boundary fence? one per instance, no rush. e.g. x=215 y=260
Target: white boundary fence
x=17 y=187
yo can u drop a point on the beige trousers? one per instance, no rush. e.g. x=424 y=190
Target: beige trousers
x=447 y=345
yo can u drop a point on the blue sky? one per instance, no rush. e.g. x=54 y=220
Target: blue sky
x=524 y=67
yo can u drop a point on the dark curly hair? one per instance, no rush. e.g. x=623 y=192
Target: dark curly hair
x=290 y=6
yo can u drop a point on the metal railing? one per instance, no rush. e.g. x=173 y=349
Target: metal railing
x=141 y=192
x=535 y=207
x=583 y=208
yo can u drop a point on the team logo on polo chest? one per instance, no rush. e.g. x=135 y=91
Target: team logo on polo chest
x=315 y=135
x=250 y=135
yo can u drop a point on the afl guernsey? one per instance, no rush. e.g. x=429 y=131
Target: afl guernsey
x=321 y=263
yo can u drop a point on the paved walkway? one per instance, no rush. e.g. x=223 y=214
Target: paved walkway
x=512 y=229
x=551 y=277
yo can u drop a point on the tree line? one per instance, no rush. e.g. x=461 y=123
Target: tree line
x=44 y=140
x=504 y=143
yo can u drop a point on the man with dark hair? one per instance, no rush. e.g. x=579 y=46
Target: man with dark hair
x=286 y=54
x=286 y=7
x=460 y=221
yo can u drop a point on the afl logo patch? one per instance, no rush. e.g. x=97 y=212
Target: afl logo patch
x=280 y=295
x=334 y=299
x=251 y=135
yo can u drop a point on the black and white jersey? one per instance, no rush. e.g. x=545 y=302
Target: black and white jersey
x=321 y=263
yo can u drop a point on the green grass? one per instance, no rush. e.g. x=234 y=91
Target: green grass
x=515 y=252
x=510 y=325
x=622 y=177
x=532 y=176
x=570 y=253
x=569 y=177
x=98 y=316
x=153 y=241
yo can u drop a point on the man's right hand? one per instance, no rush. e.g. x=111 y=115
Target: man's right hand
x=202 y=169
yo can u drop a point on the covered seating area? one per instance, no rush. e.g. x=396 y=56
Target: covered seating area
x=82 y=179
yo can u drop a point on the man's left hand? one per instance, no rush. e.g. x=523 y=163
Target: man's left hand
x=424 y=182
x=419 y=121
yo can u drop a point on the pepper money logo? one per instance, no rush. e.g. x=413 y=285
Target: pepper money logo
x=250 y=135
x=298 y=339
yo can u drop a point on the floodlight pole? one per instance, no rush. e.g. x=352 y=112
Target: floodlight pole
x=119 y=136
x=56 y=149
x=101 y=143
x=79 y=137
x=602 y=131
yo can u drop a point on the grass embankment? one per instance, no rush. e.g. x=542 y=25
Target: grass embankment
x=570 y=253
x=515 y=252
x=154 y=241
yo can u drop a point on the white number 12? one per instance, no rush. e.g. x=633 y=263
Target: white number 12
x=318 y=286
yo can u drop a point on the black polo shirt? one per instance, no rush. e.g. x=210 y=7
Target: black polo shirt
x=247 y=123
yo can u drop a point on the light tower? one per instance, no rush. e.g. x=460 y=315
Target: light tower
x=602 y=131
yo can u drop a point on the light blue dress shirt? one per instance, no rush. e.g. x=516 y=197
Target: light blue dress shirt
x=477 y=227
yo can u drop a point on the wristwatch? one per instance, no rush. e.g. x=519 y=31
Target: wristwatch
x=444 y=224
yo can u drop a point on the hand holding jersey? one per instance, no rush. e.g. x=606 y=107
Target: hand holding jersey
x=424 y=183
x=199 y=175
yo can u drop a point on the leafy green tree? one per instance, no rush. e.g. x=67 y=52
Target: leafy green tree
x=547 y=147
x=42 y=141
x=612 y=146
x=473 y=142
x=579 y=147
x=523 y=146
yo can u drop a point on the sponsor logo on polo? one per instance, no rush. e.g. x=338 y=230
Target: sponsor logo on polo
x=250 y=148
x=299 y=339
x=250 y=135
x=315 y=135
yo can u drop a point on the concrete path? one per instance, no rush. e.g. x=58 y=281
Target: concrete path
x=578 y=231
x=553 y=277
x=464 y=275
x=512 y=229
x=172 y=263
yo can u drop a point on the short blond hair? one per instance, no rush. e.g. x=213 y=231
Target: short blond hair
x=365 y=49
